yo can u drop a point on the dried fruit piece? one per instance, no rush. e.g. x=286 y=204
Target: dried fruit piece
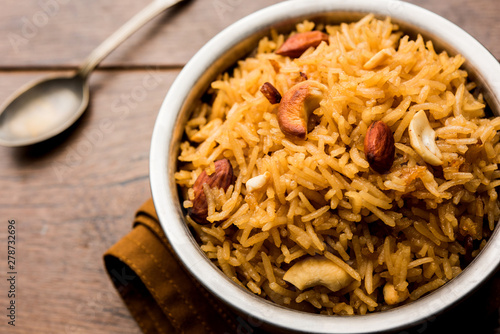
x=222 y=177
x=271 y=93
x=423 y=139
x=296 y=105
x=379 y=147
x=317 y=271
x=276 y=66
x=297 y=44
x=257 y=182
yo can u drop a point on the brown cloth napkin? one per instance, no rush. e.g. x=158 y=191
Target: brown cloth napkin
x=163 y=297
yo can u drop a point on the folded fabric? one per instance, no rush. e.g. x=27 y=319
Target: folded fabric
x=164 y=298
x=161 y=296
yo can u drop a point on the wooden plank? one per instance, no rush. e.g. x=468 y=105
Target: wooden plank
x=70 y=32
x=48 y=33
x=480 y=18
x=72 y=199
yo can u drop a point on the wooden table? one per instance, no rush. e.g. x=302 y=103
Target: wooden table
x=75 y=196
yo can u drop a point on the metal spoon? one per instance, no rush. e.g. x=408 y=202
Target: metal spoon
x=47 y=107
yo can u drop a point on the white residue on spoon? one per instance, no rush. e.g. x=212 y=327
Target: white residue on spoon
x=42 y=114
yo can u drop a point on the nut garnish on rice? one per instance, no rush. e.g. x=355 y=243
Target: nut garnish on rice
x=370 y=183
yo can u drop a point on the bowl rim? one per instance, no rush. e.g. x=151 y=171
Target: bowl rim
x=254 y=307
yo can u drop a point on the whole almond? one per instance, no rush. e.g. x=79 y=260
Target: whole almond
x=379 y=147
x=297 y=44
x=221 y=178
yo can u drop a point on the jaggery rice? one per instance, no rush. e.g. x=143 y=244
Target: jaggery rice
x=397 y=235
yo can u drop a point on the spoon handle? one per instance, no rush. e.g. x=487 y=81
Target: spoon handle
x=136 y=22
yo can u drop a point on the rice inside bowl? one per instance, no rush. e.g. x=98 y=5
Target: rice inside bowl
x=403 y=233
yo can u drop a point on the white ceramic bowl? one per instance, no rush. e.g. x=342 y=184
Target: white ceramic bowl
x=234 y=43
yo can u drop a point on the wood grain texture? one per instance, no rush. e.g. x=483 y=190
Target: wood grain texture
x=75 y=196
x=169 y=40
x=72 y=199
x=48 y=33
x=480 y=18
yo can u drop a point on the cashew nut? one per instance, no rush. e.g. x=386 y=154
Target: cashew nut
x=423 y=139
x=392 y=296
x=257 y=182
x=296 y=106
x=317 y=271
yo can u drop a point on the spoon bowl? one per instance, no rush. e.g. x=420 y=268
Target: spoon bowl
x=43 y=109
x=47 y=107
